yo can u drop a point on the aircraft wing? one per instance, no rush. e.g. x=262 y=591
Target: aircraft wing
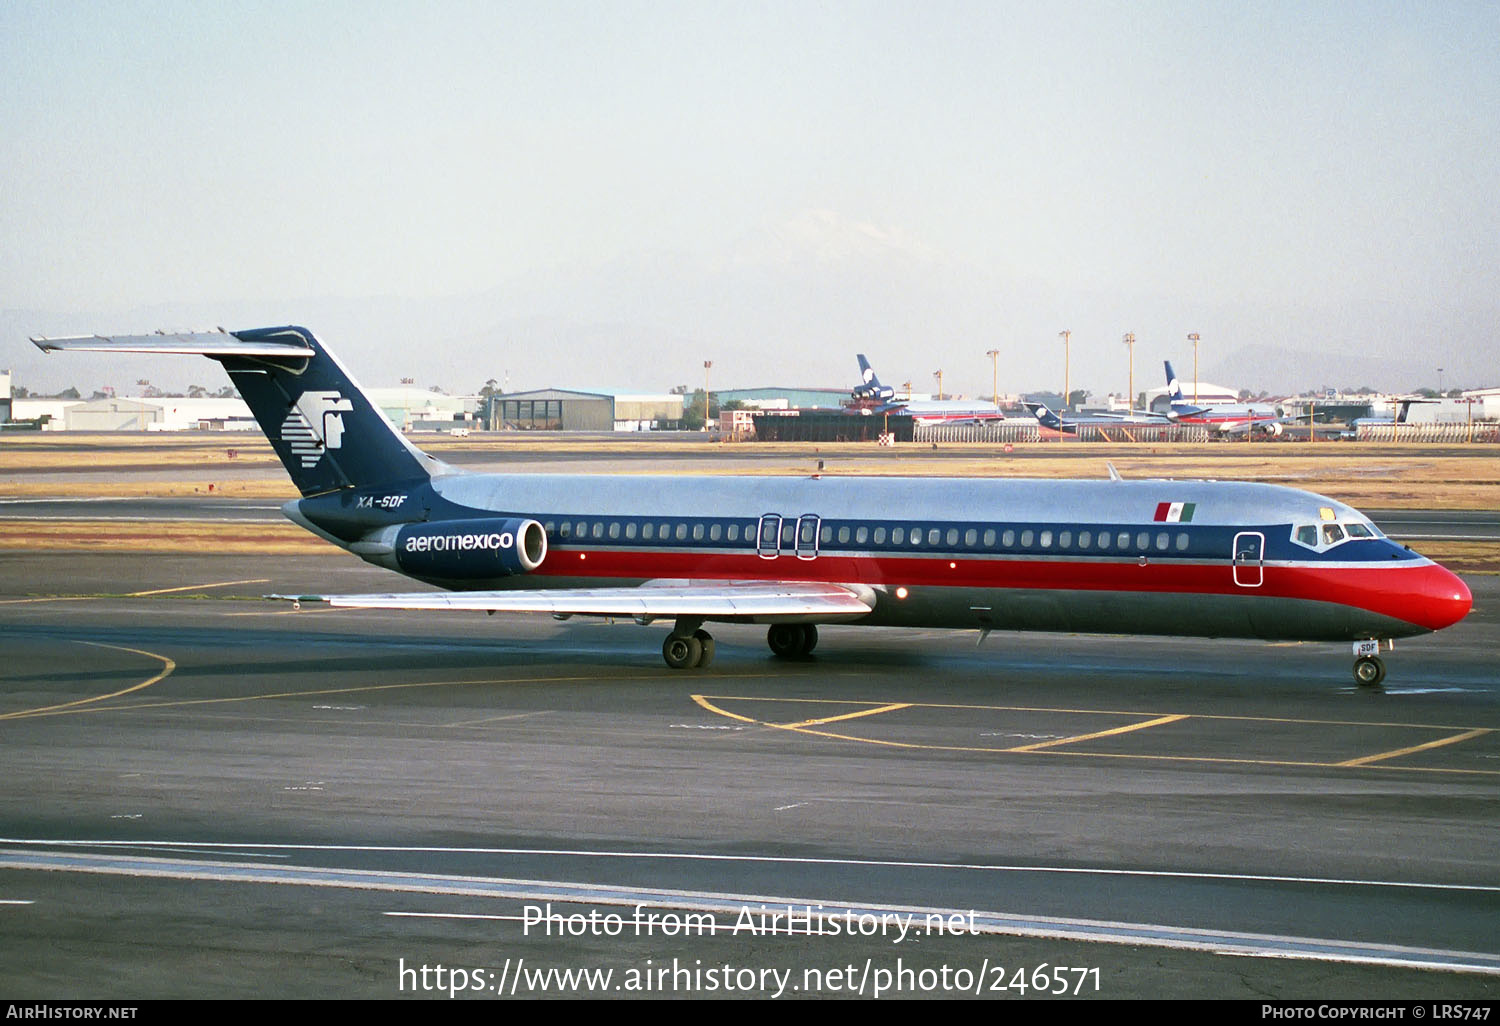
x=715 y=600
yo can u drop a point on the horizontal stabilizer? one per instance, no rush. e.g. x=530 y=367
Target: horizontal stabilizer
x=189 y=343
x=711 y=599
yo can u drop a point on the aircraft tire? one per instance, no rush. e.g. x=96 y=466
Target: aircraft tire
x=785 y=639
x=809 y=639
x=681 y=653
x=1369 y=671
x=706 y=647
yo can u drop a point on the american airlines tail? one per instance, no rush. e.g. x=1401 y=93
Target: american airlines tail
x=326 y=431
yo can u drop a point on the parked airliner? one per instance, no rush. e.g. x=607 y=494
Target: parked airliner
x=1232 y=419
x=1199 y=558
x=1069 y=424
x=922 y=411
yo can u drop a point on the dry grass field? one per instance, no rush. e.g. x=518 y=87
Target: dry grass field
x=1375 y=476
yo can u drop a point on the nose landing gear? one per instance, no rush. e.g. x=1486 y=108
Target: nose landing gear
x=1369 y=669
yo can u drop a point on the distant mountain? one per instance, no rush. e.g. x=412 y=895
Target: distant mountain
x=792 y=303
x=1285 y=371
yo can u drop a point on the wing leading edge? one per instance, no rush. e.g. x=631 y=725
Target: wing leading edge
x=790 y=601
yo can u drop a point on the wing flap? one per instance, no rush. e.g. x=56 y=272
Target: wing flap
x=189 y=343
x=712 y=600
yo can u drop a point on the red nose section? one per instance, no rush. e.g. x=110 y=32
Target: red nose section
x=1436 y=599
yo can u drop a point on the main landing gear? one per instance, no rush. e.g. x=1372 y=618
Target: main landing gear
x=1369 y=669
x=792 y=640
x=689 y=645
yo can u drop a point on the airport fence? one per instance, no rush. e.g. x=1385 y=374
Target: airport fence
x=1022 y=431
x=1144 y=433
x=1000 y=431
x=1480 y=432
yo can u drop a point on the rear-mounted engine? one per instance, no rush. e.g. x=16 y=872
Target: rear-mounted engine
x=471 y=549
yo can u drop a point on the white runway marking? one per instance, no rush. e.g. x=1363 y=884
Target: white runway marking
x=1160 y=874
x=727 y=908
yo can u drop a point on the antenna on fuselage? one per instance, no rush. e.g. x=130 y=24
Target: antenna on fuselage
x=1114 y=475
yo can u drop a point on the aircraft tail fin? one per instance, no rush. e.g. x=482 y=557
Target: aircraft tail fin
x=326 y=431
x=1045 y=416
x=870 y=386
x=1173 y=386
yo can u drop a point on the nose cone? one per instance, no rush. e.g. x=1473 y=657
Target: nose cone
x=1442 y=599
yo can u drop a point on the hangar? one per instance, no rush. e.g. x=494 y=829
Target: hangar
x=559 y=409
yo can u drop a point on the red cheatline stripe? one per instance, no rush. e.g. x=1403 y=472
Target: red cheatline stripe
x=1417 y=593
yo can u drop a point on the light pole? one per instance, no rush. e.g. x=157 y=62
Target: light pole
x=939 y=375
x=707 y=365
x=994 y=355
x=1440 y=382
x=1193 y=338
x=1067 y=337
x=1129 y=341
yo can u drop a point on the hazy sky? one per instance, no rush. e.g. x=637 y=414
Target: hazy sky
x=1233 y=168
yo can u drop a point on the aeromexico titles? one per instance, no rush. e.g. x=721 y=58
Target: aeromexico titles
x=1193 y=558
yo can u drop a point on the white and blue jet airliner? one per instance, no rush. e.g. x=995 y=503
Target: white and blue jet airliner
x=1191 y=558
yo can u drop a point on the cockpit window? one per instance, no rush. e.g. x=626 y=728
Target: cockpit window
x=1333 y=534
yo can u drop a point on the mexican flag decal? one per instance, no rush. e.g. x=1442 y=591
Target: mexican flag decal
x=1174 y=512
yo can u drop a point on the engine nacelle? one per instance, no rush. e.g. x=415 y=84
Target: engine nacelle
x=470 y=549
x=1273 y=428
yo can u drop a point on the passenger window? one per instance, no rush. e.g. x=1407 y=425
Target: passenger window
x=898 y=535
x=598 y=531
x=547 y=527
x=564 y=530
x=916 y=536
x=861 y=535
x=1045 y=540
x=647 y=531
x=614 y=529
x=843 y=536
x=697 y=532
x=1008 y=539
x=734 y=532
x=581 y=529
x=1065 y=539
x=714 y=530
x=1182 y=541
x=1104 y=539
x=935 y=536
x=826 y=535
x=1026 y=537
x=1332 y=534
x=1307 y=534
x=1084 y=538
x=681 y=532
x=664 y=531
x=630 y=529
x=989 y=539
x=879 y=536
x=970 y=537
x=1143 y=540
x=1162 y=541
